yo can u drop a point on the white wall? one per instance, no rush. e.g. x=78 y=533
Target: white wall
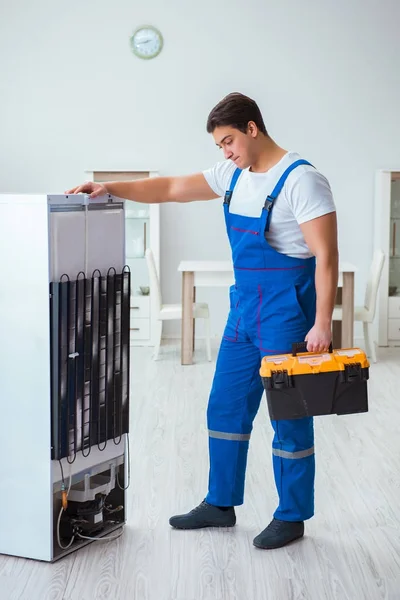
x=324 y=72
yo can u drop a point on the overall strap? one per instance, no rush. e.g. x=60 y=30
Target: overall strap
x=229 y=192
x=269 y=202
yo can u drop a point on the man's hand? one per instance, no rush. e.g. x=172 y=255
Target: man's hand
x=91 y=188
x=319 y=338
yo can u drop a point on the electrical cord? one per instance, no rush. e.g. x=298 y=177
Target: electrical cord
x=64 y=504
x=100 y=539
x=113 y=510
x=128 y=453
x=62 y=471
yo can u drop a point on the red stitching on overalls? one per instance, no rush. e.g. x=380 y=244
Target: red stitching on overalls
x=236 y=333
x=245 y=230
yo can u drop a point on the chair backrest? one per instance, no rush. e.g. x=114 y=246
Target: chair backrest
x=374 y=279
x=155 y=288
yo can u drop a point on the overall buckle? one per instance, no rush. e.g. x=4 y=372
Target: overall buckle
x=268 y=203
x=228 y=196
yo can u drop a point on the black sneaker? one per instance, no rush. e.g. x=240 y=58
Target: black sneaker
x=278 y=534
x=205 y=515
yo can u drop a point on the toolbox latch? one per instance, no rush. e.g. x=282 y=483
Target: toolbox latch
x=281 y=380
x=353 y=372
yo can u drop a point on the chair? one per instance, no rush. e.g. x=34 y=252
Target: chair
x=366 y=313
x=172 y=312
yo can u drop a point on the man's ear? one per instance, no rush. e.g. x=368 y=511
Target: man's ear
x=252 y=129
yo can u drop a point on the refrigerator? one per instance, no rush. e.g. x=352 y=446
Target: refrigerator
x=64 y=373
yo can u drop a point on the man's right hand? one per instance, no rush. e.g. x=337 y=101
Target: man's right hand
x=89 y=187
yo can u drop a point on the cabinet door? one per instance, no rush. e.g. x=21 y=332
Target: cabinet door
x=105 y=240
x=67 y=244
x=140 y=329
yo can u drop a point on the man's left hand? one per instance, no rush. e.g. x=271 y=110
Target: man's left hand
x=319 y=338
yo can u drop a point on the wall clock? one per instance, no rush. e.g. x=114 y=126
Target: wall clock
x=146 y=42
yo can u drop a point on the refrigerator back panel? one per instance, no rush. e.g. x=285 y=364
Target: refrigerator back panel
x=90 y=298
x=90 y=362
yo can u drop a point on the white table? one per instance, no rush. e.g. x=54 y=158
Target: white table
x=219 y=273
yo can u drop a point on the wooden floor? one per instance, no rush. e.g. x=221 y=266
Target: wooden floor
x=352 y=546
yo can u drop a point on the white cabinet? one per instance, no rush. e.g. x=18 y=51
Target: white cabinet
x=140 y=318
x=387 y=237
x=142 y=230
x=140 y=307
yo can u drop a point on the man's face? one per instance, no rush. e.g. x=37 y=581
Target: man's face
x=236 y=146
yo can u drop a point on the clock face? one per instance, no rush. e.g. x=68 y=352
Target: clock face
x=147 y=42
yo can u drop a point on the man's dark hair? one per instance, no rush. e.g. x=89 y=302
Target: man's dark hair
x=235 y=110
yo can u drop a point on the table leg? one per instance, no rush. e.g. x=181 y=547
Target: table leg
x=348 y=310
x=187 y=318
x=337 y=325
x=336 y=335
x=194 y=320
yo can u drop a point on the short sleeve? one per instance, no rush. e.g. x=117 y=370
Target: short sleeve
x=310 y=197
x=219 y=176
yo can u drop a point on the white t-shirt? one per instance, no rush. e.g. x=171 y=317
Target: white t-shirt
x=306 y=195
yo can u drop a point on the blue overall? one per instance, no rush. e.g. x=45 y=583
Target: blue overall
x=272 y=305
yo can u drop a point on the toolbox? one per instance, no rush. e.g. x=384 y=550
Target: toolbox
x=307 y=384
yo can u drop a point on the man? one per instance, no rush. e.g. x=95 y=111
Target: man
x=281 y=223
